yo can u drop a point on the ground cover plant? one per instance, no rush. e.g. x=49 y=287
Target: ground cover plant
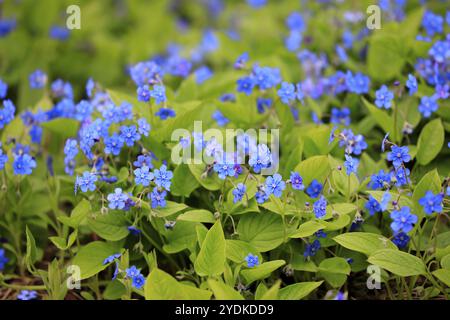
x=116 y=177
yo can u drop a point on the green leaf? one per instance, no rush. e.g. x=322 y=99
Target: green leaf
x=111 y=226
x=398 y=262
x=210 y=182
x=63 y=127
x=162 y=286
x=316 y=167
x=31 y=255
x=77 y=215
x=386 y=56
x=200 y=215
x=91 y=256
x=335 y=265
x=265 y=231
x=261 y=271
x=298 y=291
x=431 y=140
x=364 y=242
x=170 y=209
x=183 y=182
x=237 y=250
x=62 y=244
x=182 y=236
x=429 y=182
x=307 y=229
x=381 y=117
x=211 y=258
x=272 y=293
x=443 y=275
x=445 y=262
x=222 y=291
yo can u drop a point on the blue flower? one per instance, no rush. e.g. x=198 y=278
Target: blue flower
x=246 y=85
x=143 y=160
x=293 y=41
x=202 y=74
x=143 y=127
x=295 y=22
x=143 y=176
x=403 y=220
x=351 y=164
x=286 y=92
x=314 y=189
x=23 y=164
x=38 y=79
x=90 y=86
x=59 y=33
x=241 y=60
x=261 y=195
x=7 y=113
x=158 y=93
x=111 y=258
x=354 y=144
x=373 y=206
x=401 y=240
x=163 y=177
x=3 y=259
x=432 y=23
x=385 y=200
x=3 y=89
x=143 y=93
x=138 y=281
x=300 y=95
x=220 y=118
x=320 y=234
x=401 y=176
x=260 y=158
x=86 y=181
x=132 y=272
x=440 y=51
x=383 y=97
x=320 y=207
x=296 y=181
x=129 y=134
x=252 y=260
x=113 y=144
x=262 y=104
x=158 y=198
x=239 y=192
x=266 y=77
x=411 y=84
x=340 y=116
x=398 y=155
x=257 y=3
x=117 y=199
x=225 y=166
x=380 y=180
x=227 y=97
x=3 y=158
x=357 y=83
x=431 y=203
x=275 y=185
x=428 y=105
x=311 y=249
x=134 y=230
x=145 y=73
x=165 y=113
x=27 y=295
